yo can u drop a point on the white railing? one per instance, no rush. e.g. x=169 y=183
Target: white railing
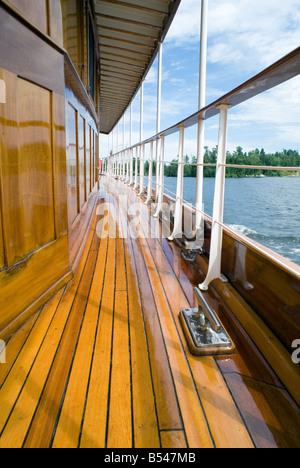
x=124 y=164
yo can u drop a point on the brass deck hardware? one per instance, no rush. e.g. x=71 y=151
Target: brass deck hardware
x=204 y=332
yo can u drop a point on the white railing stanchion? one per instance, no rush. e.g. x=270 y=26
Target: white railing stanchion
x=136 y=167
x=131 y=150
x=157 y=163
x=215 y=257
x=161 y=178
x=127 y=166
x=131 y=167
x=177 y=231
x=201 y=123
x=149 y=192
x=158 y=118
x=142 y=169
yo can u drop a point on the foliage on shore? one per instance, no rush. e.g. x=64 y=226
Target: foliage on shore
x=286 y=158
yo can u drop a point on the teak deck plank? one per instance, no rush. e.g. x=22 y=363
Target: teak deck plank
x=212 y=388
x=173 y=439
x=13 y=384
x=24 y=409
x=68 y=429
x=120 y=411
x=94 y=423
x=197 y=430
x=15 y=345
x=168 y=413
x=145 y=423
x=105 y=363
x=74 y=302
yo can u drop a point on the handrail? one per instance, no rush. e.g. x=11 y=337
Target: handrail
x=285 y=69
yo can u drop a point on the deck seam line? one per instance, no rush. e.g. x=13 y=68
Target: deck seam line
x=182 y=346
x=75 y=351
x=38 y=313
x=63 y=331
x=27 y=376
x=112 y=343
x=94 y=346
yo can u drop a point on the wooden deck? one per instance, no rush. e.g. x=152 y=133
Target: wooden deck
x=105 y=362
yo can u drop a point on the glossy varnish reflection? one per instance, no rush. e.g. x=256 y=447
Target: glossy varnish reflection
x=112 y=368
x=35 y=165
x=47 y=198
x=33 y=232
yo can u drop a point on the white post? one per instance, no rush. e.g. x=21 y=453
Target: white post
x=131 y=167
x=142 y=169
x=215 y=257
x=201 y=121
x=149 y=193
x=158 y=115
x=118 y=135
x=177 y=232
x=158 y=145
x=142 y=147
x=136 y=167
x=124 y=153
x=127 y=166
x=161 y=180
x=131 y=150
x=123 y=164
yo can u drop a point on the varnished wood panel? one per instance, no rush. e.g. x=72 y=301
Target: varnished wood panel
x=270 y=414
x=82 y=161
x=88 y=159
x=59 y=165
x=81 y=190
x=35 y=11
x=72 y=163
x=2 y=256
x=12 y=213
x=27 y=169
x=44 y=67
x=17 y=292
x=269 y=289
x=55 y=21
x=33 y=195
x=35 y=120
x=71 y=35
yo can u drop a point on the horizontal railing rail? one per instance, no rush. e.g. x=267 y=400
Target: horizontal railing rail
x=129 y=164
x=278 y=73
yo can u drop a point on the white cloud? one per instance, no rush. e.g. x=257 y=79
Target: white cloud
x=251 y=33
x=245 y=36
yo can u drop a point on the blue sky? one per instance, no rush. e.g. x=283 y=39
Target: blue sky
x=244 y=37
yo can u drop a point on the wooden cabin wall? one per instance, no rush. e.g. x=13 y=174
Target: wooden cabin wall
x=81 y=125
x=45 y=14
x=82 y=174
x=47 y=194
x=34 y=259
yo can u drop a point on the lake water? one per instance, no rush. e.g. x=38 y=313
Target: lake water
x=267 y=210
